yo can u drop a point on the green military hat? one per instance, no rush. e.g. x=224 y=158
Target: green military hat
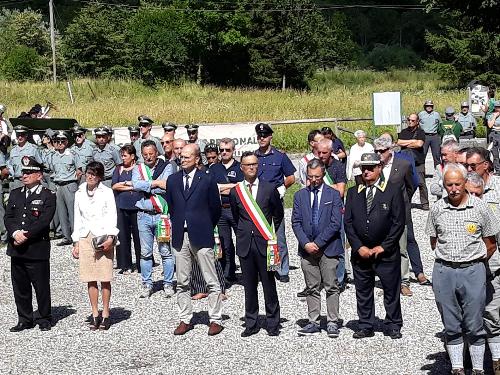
x=192 y=127
x=370 y=158
x=21 y=129
x=60 y=134
x=100 y=131
x=449 y=111
x=169 y=126
x=143 y=119
x=429 y=103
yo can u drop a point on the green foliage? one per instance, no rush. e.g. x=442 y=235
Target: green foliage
x=469 y=48
x=22 y=63
x=95 y=43
x=384 y=57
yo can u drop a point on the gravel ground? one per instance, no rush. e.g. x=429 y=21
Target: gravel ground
x=141 y=340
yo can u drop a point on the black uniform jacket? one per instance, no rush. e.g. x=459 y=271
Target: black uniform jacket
x=33 y=215
x=382 y=226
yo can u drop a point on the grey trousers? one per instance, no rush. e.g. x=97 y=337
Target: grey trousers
x=65 y=208
x=460 y=295
x=319 y=271
x=206 y=260
x=492 y=310
x=422 y=186
x=405 y=262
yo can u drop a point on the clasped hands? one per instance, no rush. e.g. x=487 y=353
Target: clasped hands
x=365 y=252
x=20 y=237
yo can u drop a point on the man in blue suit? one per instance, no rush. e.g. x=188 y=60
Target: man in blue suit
x=195 y=208
x=316 y=219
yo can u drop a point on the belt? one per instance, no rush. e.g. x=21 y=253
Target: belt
x=459 y=264
x=149 y=212
x=63 y=183
x=430 y=133
x=226 y=205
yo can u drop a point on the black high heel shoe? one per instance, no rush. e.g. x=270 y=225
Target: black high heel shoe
x=95 y=322
x=105 y=324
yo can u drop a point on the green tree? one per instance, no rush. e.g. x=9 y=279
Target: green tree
x=95 y=43
x=469 y=47
x=22 y=63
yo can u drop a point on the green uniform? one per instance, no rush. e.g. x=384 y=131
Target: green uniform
x=450 y=127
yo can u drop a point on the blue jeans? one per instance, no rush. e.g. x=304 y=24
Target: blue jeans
x=283 y=249
x=146 y=224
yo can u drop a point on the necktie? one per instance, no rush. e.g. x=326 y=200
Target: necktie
x=315 y=212
x=186 y=186
x=250 y=188
x=369 y=199
x=28 y=193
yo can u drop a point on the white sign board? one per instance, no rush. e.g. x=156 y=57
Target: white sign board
x=478 y=97
x=244 y=136
x=387 y=108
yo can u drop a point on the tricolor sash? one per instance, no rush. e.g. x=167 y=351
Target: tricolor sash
x=326 y=179
x=263 y=226
x=159 y=203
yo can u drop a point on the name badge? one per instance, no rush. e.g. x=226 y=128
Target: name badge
x=231 y=174
x=37 y=202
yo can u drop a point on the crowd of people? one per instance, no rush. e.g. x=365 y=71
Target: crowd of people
x=185 y=199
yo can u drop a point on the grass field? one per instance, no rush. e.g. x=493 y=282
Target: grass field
x=332 y=94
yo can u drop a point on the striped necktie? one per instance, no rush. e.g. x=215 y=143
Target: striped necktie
x=369 y=199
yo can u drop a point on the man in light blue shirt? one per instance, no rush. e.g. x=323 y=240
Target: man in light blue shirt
x=150 y=178
x=429 y=121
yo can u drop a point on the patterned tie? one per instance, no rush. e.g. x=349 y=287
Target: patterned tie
x=186 y=186
x=369 y=199
x=250 y=188
x=315 y=212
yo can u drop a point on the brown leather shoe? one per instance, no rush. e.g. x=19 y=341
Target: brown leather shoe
x=183 y=328
x=214 y=329
x=496 y=367
x=406 y=291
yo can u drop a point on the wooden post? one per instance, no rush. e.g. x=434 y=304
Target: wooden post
x=70 y=92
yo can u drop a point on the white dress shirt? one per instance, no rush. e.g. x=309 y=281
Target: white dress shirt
x=255 y=187
x=387 y=168
x=96 y=214
x=320 y=191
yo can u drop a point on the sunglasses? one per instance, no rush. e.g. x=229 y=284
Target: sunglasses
x=144 y=125
x=381 y=151
x=59 y=141
x=473 y=165
x=165 y=142
x=225 y=149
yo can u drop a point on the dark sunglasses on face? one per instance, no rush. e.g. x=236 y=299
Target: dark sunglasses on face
x=225 y=149
x=381 y=151
x=165 y=142
x=143 y=125
x=472 y=165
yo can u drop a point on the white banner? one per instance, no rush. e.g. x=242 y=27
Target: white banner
x=243 y=135
x=387 y=108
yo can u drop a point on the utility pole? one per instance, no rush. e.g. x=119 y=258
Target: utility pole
x=53 y=40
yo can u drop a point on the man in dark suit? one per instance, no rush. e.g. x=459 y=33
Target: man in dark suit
x=27 y=219
x=316 y=222
x=374 y=222
x=252 y=246
x=397 y=171
x=195 y=208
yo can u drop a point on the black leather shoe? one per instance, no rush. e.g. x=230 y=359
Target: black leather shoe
x=284 y=278
x=273 y=332
x=303 y=294
x=65 y=243
x=393 y=334
x=44 y=326
x=363 y=333
x=21 y=327
x=249 y=332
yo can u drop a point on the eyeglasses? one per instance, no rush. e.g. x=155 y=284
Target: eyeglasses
x=191 y=132
x=314 y=177
x=79 y=135
x=144 y=125
x=472 y=166
x=165 y=142
x=250 y=165
x=225 y=149
x=21 y=134
x=59 y=140
x=91 y=174
x=211 y=157
x=263 y=135
x=381 y=151
x=412 y=120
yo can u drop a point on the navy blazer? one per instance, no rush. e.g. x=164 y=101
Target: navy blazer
x=200 y=208
x=330 y=217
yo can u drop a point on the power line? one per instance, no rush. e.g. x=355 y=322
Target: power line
x=263 y=10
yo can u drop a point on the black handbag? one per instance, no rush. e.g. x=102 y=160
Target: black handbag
x=98 y=242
